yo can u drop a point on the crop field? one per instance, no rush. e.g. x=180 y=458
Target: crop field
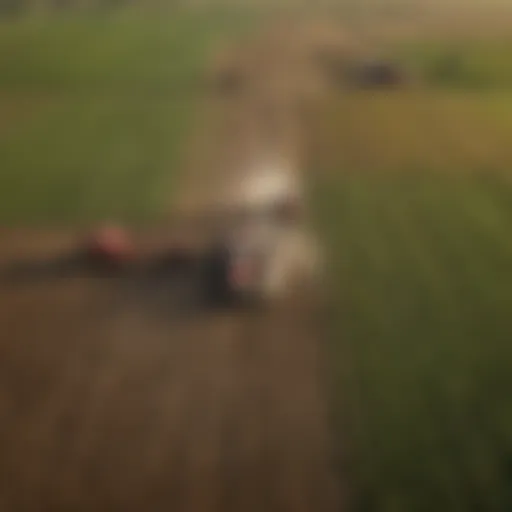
x=414 y=201
x=93 y=112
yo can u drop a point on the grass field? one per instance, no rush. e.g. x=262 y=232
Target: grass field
x=414 y=200
x=422 y=269
x=465 y=62
x=94 y=110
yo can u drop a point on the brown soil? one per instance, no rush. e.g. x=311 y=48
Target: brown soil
x=113 y=397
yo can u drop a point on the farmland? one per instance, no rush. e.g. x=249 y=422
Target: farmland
x=94 y=111
x=413 y=198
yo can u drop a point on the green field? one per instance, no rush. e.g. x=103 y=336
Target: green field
x=93 y=111
x=422 y=270
x=413 y=196
x=464 y=63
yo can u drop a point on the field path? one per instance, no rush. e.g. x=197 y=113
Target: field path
x=108 y=404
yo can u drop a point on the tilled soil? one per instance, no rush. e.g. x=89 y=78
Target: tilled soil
x=111 y=401
x=114 y=398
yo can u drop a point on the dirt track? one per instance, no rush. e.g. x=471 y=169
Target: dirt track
x=110 y=402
